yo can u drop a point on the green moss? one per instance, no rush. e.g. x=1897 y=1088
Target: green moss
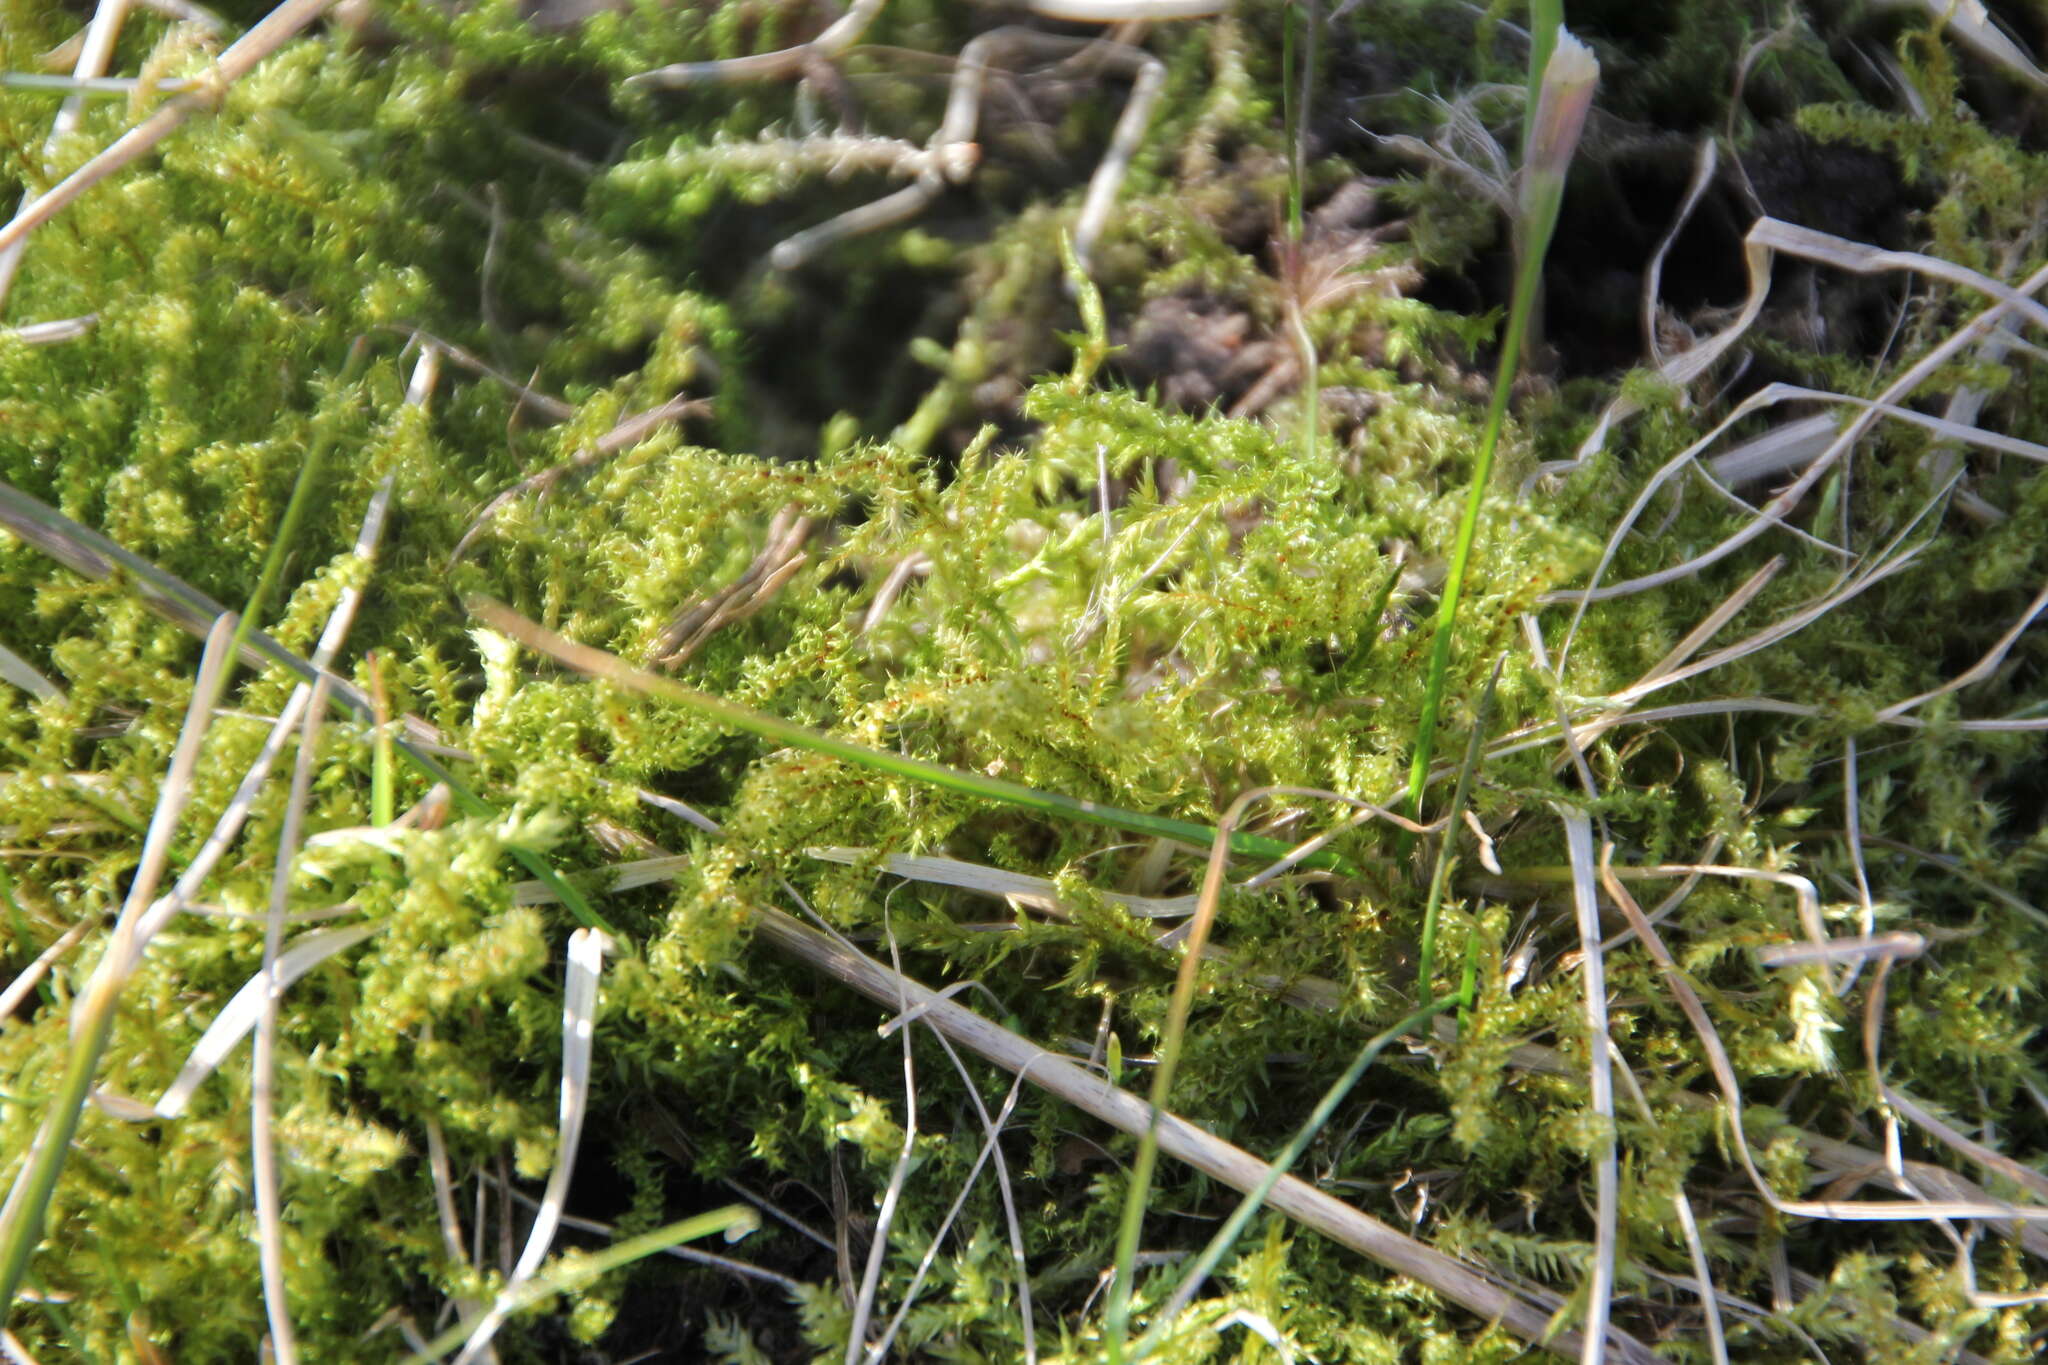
x=1242 y=616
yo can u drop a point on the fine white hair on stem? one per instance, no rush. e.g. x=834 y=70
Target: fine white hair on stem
x=579 y=1015
x=1600 y=1082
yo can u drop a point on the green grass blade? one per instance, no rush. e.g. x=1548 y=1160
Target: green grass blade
x=1546 y=17
x=294 y=511
x=734 y=1221
x=383 y=764
x=92 y=555
x=1554 y=118
x=1427 y=967
x=1116 y=1317
x=598 y=664
x=93 y=1012
x=1283 y=1162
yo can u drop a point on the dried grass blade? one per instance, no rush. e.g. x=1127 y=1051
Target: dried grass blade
x=93 y=55
x=97 y=558
x=1233 y=1227
x=1980 y=670
x=270 y=33
x=19 y=988
x=243 y=1011
x=92 y=1015
x=1710 y=1303
x=270 y=985
x=1600 y=1080
x=1040 y=892
x=734 y=1221
x=1758 y=245
x=579 y=1016
x=467 y=1310
x=1970 y=1204
x=627 y=433
x=47 y=333
x=22 y=674
x=1182 y=1140
x=1836 y=950
x=231 y=819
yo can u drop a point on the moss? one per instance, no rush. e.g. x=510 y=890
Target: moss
x=1151 y=606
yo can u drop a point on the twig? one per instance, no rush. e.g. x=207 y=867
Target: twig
x=843 y=33
x=1182 y=1140
x=275 y=29
x=779 y=560
x=93 y=55
x=628 y=433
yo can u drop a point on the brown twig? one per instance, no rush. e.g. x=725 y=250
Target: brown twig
x=275 y=29
x=777 y=563
x=1181 y=1139
x=621 y=437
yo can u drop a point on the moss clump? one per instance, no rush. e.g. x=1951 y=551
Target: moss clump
x=1028 y=550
